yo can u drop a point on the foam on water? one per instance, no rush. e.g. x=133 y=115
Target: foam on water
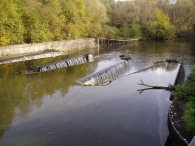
x=66 y=63
x=32 y=57
x=106 y=75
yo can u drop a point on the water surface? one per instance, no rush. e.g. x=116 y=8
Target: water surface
x=50 y=108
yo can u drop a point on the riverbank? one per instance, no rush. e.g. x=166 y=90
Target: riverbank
x=181 y=119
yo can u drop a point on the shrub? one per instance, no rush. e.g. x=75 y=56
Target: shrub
x=135 y=31
x=189 y=115
x=109 y=32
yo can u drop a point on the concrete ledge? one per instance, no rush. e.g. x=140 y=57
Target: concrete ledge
x=192 y=142
x=66 y=46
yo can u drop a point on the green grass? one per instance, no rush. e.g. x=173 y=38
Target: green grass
x=186 y=94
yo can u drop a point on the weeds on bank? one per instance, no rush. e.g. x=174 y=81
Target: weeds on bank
x=186 y=94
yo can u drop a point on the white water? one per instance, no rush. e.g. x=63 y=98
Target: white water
x=32 y=57
x=106 y=75
x=66 y=63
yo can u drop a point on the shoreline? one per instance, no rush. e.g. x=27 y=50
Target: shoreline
x=179 y=134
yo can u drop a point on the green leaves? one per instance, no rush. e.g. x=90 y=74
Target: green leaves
x=11 y=26
x=160 y=28
x=186 y=94
x=33 y=21
x=189 y=115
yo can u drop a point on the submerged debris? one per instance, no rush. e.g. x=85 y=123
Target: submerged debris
x=106 y=75
x=125 y=57
x=167 y=61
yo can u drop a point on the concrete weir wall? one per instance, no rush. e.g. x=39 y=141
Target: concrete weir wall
x=66 y=46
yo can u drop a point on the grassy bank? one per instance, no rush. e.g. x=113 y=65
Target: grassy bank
x=186 y=94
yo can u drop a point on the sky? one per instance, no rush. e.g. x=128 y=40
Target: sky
x=171 y=1
x=122 y=0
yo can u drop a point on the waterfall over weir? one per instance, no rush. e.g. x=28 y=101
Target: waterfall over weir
x=66 y=63
x=32 y=57
x=106 y=75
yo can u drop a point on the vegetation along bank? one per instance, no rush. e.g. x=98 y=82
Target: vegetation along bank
x=182 y=112
x=33 y=21
x=186 y=95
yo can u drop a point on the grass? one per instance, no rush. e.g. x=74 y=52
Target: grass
x=186 y=94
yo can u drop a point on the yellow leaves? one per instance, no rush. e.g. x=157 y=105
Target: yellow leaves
x=4 y=38
x=47 y=20
x=160 y=28
x=161 y=17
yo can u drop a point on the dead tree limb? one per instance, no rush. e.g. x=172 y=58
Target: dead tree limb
x=150 y=87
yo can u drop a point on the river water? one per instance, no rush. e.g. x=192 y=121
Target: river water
x=51 y=109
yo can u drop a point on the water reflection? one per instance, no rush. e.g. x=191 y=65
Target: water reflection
x=18 y=93
x=160 y=68
x=51 y=109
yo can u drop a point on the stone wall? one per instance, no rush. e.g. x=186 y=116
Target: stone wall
x=67 y=46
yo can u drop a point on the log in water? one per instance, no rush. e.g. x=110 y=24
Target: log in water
x=32 y=57
x=106 y=75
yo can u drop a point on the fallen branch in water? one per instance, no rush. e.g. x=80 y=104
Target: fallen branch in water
x=150 y=87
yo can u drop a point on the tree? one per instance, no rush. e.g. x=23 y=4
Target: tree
x=11 y=26
x=35 y=22
x=160 y=28
x=182 y=14
x=97 y=17
x=52 y=10
x=76 y=14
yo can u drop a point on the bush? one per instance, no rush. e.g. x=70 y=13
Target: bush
x=189 y=115
x=183 y=93
x=135 y=31
x=110 y=32
x=124 y=32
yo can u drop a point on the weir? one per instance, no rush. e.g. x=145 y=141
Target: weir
x=106 y=75
x=66 y=63
x=105 y=42
x=32 y=57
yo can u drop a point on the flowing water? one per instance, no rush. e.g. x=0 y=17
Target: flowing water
x=32 y=57
x=106 y=75
x=66 y=63
x=50 y=108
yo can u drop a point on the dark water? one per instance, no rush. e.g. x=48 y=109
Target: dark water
x=51 y=109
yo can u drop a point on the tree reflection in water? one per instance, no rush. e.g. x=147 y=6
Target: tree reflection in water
x=19 y=92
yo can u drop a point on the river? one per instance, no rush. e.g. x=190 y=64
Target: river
x=51 y=109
